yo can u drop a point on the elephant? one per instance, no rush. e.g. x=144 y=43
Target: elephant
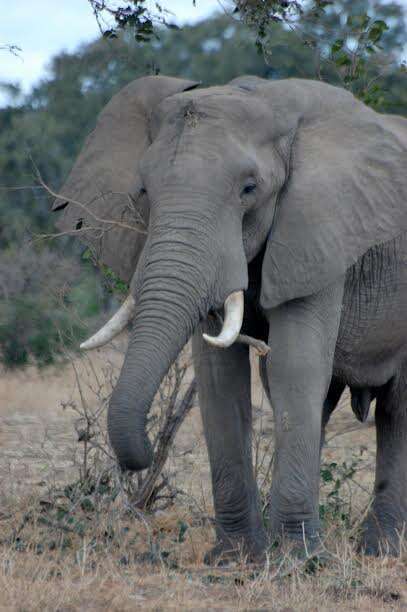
x=281 y=204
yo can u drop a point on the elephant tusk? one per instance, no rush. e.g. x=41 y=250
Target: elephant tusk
x=113 y=327
x=234 y=309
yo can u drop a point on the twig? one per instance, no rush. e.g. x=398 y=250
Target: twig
x=147 y=493
x=85 y=207
x=259 y=346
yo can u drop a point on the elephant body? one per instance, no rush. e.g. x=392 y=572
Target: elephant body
x=372 y=339
x=294 y=194
x=370 y=354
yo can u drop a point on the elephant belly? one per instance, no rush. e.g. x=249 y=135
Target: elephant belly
x=372 y=339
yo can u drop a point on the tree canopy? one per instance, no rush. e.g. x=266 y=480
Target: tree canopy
x=44 y=131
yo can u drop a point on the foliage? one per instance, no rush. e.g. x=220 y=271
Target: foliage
x=44 y=130
x=134 y=15
x=100 y=487
x=335 y=477
x=144 y=22
x=351 y=42
x=37 y=304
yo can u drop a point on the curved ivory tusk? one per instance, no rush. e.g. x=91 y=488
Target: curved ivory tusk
x=234 y=309
x=113 y=327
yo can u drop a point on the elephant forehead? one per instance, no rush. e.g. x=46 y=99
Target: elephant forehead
x=215 y=105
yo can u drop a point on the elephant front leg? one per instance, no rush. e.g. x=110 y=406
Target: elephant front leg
x=225 y=401
x=303 y=335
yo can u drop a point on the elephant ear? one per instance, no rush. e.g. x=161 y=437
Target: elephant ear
x=346 y=192
x=101 y=199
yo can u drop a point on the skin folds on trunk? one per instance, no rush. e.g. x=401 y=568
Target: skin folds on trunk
x=177 y=286
x=154 y=345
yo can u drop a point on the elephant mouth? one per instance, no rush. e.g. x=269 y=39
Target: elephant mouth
x=232 y=323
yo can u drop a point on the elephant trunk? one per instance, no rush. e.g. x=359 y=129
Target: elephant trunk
x=175 y=293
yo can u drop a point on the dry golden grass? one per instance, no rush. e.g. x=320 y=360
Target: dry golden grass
x=107 y=556
x=124 y=572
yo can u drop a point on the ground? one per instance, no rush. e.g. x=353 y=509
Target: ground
x=103 y=554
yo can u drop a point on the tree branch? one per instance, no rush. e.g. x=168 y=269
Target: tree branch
x=259 y=346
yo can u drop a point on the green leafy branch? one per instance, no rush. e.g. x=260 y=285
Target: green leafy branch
x=135 y=16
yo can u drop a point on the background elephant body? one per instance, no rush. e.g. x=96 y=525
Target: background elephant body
x=294 y=193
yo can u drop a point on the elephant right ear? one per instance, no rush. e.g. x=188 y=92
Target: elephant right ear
x=345 y=192
x=101 y=199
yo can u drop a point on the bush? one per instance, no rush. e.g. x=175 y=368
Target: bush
x=45 y=304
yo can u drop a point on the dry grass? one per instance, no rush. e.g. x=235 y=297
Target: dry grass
x=58 y=553
x=151 y=566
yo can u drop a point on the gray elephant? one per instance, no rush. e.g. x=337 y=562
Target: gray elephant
x=285 y=203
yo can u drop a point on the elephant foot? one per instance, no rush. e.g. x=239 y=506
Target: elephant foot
x=307 y=553
x=384 y=537
x=236 y=550
x=295 y=538
x=308 y=550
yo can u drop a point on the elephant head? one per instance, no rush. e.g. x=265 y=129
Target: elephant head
x=297 y=168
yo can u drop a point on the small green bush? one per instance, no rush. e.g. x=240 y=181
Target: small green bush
x=46 y=305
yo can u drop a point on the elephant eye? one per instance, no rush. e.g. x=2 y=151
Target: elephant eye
x=249 y=188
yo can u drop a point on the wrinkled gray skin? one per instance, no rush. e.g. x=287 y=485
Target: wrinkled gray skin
x=296 y=193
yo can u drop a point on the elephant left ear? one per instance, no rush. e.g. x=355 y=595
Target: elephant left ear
x=102 y=201
x=346 y=192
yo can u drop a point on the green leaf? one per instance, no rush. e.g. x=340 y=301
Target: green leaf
x=377 y=30
x=379 y=23
x=61 y=513
x=342 y=59
x=183 y=527
x=87 y=505
x=326 y=475
x=337 y=45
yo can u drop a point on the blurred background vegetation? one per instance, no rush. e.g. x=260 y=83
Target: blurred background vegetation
x=49 y=293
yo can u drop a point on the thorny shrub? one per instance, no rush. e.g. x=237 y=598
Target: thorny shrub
x=101 y=491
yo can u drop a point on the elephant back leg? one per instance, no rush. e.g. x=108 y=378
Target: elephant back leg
x=225 y=400
x=385 y=528
x=335 y=391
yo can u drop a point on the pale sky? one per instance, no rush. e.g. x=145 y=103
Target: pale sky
x=43 y=28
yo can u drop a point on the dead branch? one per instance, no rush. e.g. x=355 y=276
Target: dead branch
x=148 y=491
x=259 y=346
x=85 y=207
